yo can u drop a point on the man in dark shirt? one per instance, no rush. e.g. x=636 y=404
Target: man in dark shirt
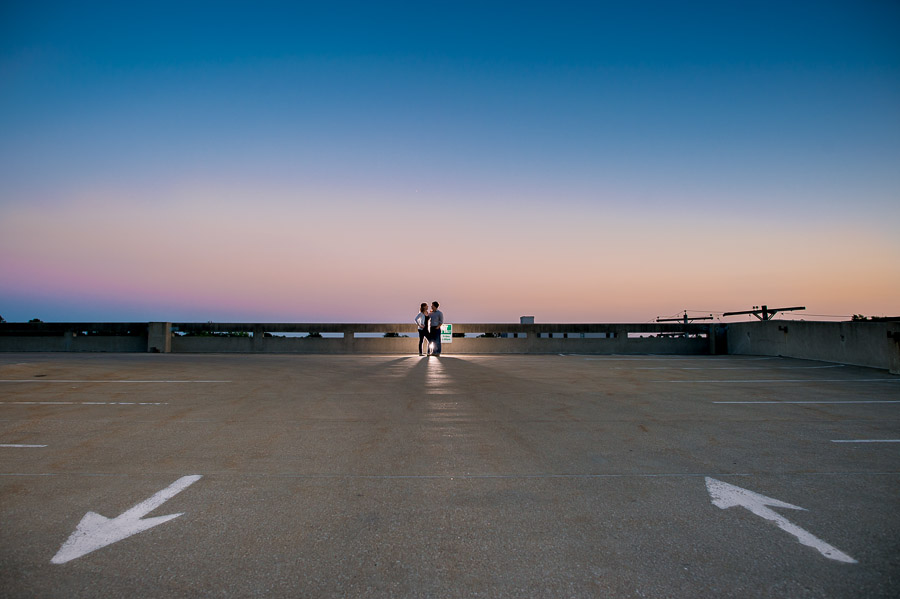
x=436 y=320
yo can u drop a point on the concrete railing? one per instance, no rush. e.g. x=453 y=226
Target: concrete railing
x=873 y=344
x=73 y=336
x=363 y=338
x=468 y=338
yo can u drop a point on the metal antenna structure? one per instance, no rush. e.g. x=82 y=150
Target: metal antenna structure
x=685 y=319
x=764 y=312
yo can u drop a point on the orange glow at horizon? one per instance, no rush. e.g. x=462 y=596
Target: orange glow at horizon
x=351 y=261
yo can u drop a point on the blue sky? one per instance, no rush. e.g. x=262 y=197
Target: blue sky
x=756 y=117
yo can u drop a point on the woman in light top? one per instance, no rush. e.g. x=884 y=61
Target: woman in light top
x=422 y=323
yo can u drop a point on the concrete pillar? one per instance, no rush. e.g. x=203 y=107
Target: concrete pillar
x=894 y=337
x=159 y=337
x=69 y=340
x=348 y=342
x=621 y=339
x=259 y=338
x=533 y=341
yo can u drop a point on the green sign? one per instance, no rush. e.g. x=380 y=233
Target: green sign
x=446 y=333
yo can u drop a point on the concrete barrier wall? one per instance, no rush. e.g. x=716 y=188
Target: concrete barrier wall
x=532 y=338
x=872 y=344
x=510 y=338
x=75 y=343
x=73 y=336
x=459 y=346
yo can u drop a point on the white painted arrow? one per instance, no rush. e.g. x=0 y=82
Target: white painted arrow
x=726 y=496
x=96 y=531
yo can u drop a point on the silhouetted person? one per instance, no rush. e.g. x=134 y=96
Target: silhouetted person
x=422 y=323
x=436 y=320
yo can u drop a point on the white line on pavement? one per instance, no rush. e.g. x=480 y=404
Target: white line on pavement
x=81 y=403
x=16 y=445
x=865 y=440
x=778 y=381
x=812 y=402
x=93 y=381
x=731 y=367
x=671 y=359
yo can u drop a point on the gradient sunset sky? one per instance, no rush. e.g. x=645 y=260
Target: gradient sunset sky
x=343 y=162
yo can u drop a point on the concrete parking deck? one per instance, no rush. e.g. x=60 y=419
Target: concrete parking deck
x=505 y=476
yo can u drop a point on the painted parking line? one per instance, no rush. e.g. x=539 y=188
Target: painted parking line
x=860 y=401
x=92 y=475
x=21 y=446
x=82 y=403
x=123 y=403
x=865 y=440
x=670 y=359
x=731 y=367
x=780 y=381
x=100 y=381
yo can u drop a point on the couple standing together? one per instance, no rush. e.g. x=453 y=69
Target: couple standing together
x=429 y=324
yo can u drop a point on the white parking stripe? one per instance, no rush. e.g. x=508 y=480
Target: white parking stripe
x=81 y=403
x=865 y=440
x=674 y=359
x=92 y=381
x=779 y=381
x=730 y=367
x=812 y=402
x=16 y=445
